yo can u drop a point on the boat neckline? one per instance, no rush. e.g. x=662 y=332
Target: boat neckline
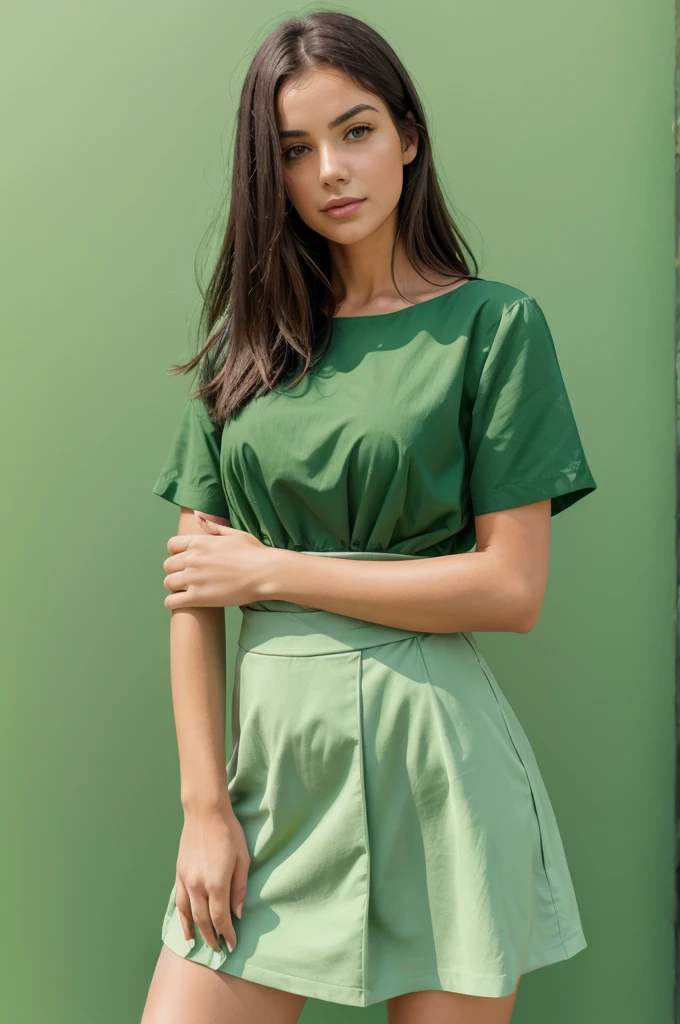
x=406 y=309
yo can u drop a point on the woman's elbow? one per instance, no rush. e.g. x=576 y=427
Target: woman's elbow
x=527 y=610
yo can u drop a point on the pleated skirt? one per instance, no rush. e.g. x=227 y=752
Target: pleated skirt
x=400 y=833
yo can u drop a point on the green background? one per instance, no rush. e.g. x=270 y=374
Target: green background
x=552 y=126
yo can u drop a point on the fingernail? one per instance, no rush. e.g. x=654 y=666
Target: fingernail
x=229 y=946
x=238 y=910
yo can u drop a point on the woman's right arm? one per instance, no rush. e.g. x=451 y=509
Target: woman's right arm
x=213 y=860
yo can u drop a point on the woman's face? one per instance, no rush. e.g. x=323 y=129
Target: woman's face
x=362 y=156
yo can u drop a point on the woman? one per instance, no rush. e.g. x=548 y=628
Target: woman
x=377 y=445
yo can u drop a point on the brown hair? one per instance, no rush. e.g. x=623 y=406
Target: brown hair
x=263 y=307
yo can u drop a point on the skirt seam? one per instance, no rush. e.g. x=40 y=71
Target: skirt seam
x=360 y=734
x=422 y=659
x=531 y=792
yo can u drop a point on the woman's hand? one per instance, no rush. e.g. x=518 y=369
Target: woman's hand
x=217 y=568
x=212 y=872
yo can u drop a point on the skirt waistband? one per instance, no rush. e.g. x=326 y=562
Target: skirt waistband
x=297 y=631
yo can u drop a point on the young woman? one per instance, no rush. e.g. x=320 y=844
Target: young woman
x=377 y=445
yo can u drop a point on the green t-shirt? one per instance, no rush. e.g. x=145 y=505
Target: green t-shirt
x=412 y=423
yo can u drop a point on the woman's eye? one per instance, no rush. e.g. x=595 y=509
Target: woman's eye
x=360 y=128
x=288 y=153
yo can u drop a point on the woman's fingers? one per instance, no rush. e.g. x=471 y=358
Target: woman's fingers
x=176 y=581
x=183 y=905
x=200 y=910
x=216 y=849
x=239 y=881
x=221 y=917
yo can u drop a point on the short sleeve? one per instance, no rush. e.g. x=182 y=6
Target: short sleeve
x=524 y=443
x=191 y=473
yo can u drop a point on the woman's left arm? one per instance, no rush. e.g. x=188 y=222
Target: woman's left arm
x=500 y=587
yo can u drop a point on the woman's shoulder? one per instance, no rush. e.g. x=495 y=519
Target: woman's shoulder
x=497 y=303
x=500 y=294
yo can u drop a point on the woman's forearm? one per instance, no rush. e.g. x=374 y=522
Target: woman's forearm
x=444 y=594
x=198 y=671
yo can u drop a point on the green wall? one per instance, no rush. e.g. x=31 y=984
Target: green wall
x=553 y=132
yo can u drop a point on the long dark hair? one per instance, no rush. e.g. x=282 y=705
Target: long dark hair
x=263 y=310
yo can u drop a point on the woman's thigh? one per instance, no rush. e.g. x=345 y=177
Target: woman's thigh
x=183 y=992
x=450 y=1008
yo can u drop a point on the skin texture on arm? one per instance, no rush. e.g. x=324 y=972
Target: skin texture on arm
x=499 y=587
x=198 y=668
x=213 y=859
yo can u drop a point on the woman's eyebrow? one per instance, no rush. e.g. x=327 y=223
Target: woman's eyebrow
x=287 y=133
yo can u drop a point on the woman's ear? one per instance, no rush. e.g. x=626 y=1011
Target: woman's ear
x=411 y=146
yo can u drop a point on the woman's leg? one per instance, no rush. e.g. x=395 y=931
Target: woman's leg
x=450 y=1008
x=183 y=992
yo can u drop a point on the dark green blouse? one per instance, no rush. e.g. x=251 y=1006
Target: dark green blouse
x=413 y=423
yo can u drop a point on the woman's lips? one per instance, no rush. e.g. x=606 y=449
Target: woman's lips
x=344 y=211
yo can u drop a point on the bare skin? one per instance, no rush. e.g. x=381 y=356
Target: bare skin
x=183 y=992
x=450 y=1008
x=363 y=157
x=499 y=587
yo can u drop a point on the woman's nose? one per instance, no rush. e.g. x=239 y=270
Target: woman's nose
x=331 y=167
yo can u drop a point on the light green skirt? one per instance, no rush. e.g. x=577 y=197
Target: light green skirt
x=400 y=833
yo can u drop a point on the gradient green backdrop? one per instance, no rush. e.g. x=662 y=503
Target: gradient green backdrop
x=553 y=133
